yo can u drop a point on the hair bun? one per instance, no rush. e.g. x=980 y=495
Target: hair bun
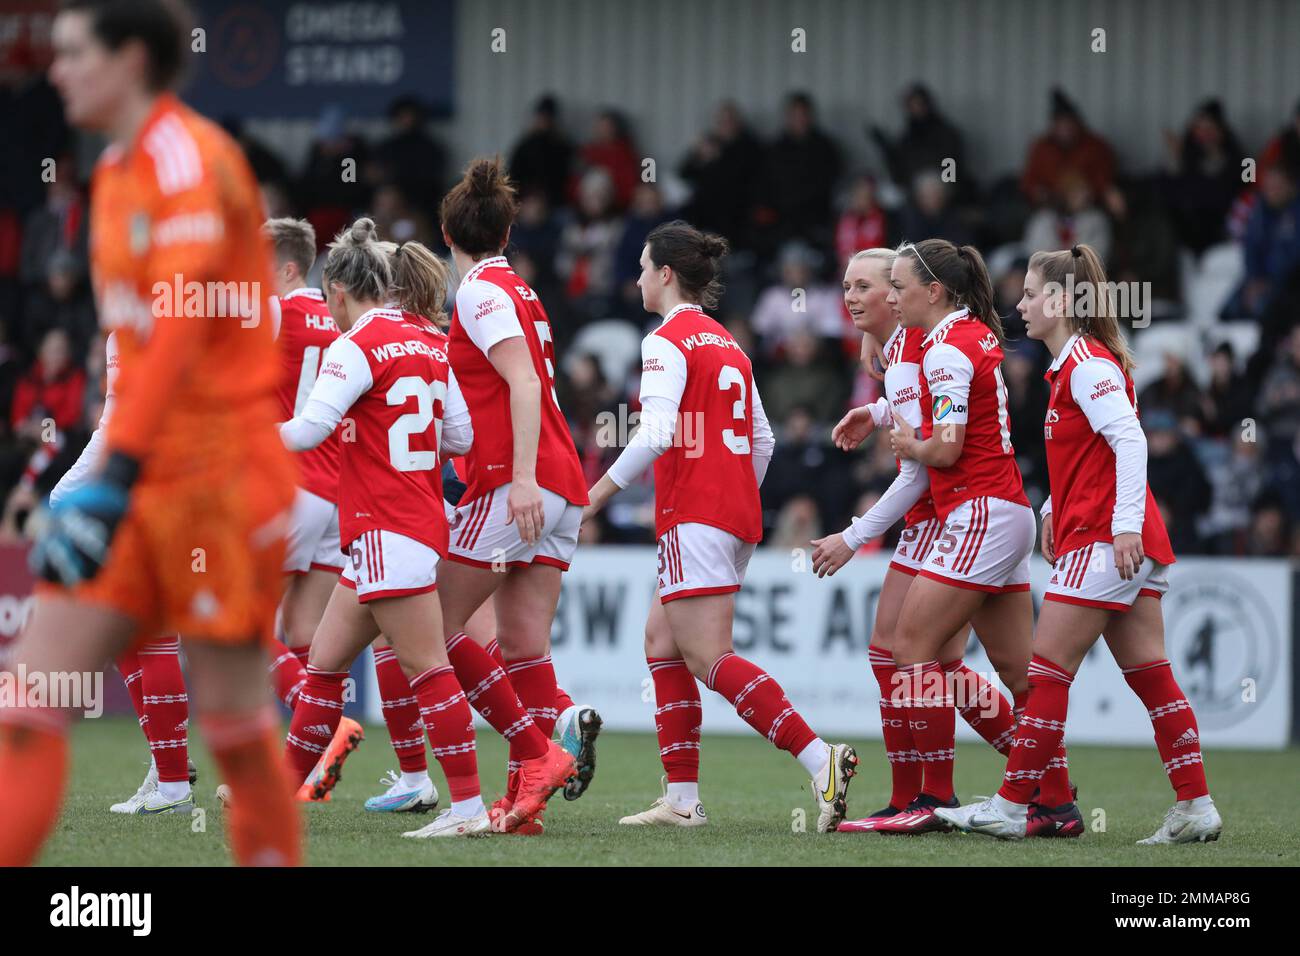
x=362 y=231
x=715 y=247
x=485 y=176
x=1076 y=251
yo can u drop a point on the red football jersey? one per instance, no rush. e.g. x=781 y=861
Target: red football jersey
x=961 y=384
x=1089 y=390
x=305 y=332
x=707 y=475
x=492 y=305
x=389 y=379
x=903 y=391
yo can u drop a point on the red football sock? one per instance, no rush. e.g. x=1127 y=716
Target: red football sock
x=264 y=824
x=982 y=706
x=303 y=653
x=167 y=707
x=128 y=665
x=446 y=716
x=1038 y=733
x=904 y=762
x=534 y=681
x=760 y=702
x=315 y=719
x=288 y=674
x=677 y=718
x=562 y=699
x=1172 y=718
x=489 y=691
x=933 y=722
x=401 y=712
x=33 y=775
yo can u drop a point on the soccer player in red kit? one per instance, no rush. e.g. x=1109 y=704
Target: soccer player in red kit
x=977 y=569
x=704 y=430
x=1109 y=552
x=391 y=379
x=313 y=561
x=866 y=290
x=516 y=528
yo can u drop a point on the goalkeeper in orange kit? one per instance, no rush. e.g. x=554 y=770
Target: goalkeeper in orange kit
x=181 y=529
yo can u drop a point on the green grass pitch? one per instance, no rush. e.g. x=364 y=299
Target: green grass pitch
x=756 y=798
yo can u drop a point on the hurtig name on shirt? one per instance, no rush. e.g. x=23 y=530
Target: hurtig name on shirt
x=392 y=350
x=699 y=339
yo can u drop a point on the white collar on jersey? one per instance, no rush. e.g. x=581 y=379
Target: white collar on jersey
x=306 y=290
x=894 y=340
x=947 y=320
x=384 y=312
x=1065 y=353
x=488 y=263
x=681 y=308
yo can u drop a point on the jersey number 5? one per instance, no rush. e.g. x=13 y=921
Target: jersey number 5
x=415 y=423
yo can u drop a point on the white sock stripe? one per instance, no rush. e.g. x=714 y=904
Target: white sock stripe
x=776 y=724
x=452 y=750
x=1042 y=723
x=132 y=677
x=451 y=701
x=1172 y=707
x=1146 y=667
x=396 y=702
x=518 y=727
x=306 y=745
x=512 y=666
x=679 y=705
x=456 y=639
x=166 y=698
x=1014 y=775
x=1183 y=760
x=545 y=712
x=713 y=671
x=176 y=743
x=408 y=743
x=494 y=676
x=681 y=745
x=744 y=691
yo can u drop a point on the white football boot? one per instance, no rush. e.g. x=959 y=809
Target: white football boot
x=451 y=824
x=1185 y=825
x=133 y=803
x=985 y=817
x=155 y=803
x=832 y=786
x=403 y=798
x=664 y=814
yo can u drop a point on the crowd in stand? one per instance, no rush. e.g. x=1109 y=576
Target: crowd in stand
x=1223 y=427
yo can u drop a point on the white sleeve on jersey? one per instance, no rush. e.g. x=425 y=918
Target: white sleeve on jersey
x=1097 y=386
x=1046 y=510
x=82 y=468
x=1125 y=437
x=487 y=314
x=906 y=490
x=764 y=443
x=881 y=414
x=663 y=380
x=273 y=307
x=457 y=429
x=949 y=374
x=344 y=377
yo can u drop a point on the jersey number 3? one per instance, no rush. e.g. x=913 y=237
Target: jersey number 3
x=730 y=377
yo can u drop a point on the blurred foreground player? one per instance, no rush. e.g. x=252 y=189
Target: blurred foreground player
x=181 y=530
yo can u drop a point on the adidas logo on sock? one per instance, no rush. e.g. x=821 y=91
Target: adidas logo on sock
x=320 y=730
x=418 y=725
x=1188 y=738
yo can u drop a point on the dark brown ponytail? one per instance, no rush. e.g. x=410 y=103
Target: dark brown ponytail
x=961 y=271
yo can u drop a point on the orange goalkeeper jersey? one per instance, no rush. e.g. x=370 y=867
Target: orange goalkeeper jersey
x=183 y=274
